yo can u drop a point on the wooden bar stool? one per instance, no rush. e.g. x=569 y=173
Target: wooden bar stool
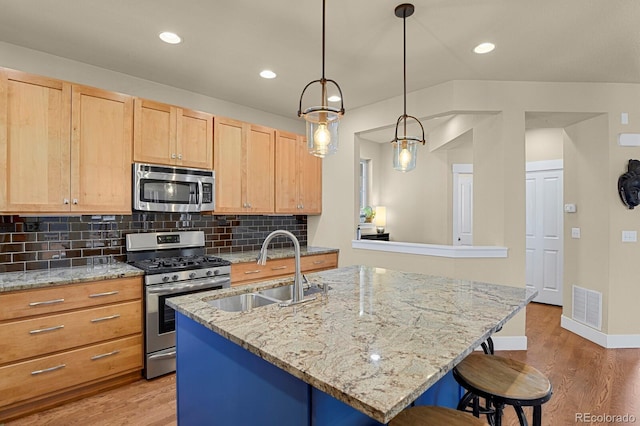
x=426 y=415
x=502 y=381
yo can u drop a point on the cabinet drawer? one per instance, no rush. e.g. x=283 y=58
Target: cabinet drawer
x=41 y=376
x=42 y=335
x=318 y=262
x=242 y=273
x=40 y=301
x=248 y=272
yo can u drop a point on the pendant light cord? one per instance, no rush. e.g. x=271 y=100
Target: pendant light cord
x=323 y=9
x=404 y=65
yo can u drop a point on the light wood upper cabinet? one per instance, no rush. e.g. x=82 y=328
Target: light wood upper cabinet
x=35 y=137
x=167 y=134
x=58 y=162
x=101 y=151
x=244 y=165
x=298 y=176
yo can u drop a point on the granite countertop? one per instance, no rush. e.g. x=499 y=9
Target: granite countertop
x=251 y=256
x=376 y=341
x=11 y=281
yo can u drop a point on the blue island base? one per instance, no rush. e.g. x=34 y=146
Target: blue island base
x=220 y=383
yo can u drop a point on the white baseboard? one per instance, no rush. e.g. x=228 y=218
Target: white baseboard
x=508 y=343
x=609 y=341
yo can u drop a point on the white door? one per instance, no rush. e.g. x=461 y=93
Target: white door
x=544 y=227
x=462 y=204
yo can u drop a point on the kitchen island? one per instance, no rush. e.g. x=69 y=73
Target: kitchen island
x=375 y=342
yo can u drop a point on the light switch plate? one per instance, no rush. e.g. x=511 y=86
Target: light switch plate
x=624 y=118
x=629 y=236
x=575 y=232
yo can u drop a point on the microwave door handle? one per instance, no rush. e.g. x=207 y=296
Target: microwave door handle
x=200 y=189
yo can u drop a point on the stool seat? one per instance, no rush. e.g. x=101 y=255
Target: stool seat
x=501 y=381
x=508 y=379
x=424 y=415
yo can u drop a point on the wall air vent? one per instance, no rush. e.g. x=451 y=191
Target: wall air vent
x=587 y=307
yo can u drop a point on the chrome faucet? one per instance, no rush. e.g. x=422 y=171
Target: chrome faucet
x=298 y=292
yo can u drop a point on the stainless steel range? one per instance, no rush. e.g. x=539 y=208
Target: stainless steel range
x=175 y=264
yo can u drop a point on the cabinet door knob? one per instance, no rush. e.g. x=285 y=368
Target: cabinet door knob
x=75 y=201
x=173 y=156
x=179 y=156
x=66 y=201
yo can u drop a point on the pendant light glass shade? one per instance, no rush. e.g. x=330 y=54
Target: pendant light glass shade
x=404 y=155
x=405 y=148
x=322 y=130
x=322 y=121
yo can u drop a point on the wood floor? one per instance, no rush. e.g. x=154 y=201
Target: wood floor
x=586 y=379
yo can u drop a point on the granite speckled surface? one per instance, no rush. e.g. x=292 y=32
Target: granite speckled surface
x=11 y=281
x=376 y=341
x=251 y=256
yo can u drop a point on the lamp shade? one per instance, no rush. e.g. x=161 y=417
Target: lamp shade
x=381 y=216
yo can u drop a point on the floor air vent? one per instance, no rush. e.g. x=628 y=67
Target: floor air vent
x=587 y=307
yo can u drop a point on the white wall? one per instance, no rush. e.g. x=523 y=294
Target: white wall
x=499 y=197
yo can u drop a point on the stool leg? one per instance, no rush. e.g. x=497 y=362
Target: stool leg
x=521 y=416
x=498 y=414
x=537 y=415
x=464 y=402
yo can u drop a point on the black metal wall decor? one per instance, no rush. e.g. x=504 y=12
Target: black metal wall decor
x=629 y=185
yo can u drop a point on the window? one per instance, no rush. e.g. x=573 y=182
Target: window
x=365 y=182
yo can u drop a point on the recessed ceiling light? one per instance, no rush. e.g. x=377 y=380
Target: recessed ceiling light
x=171 y=38
x=333 y=98
x=267 y=74
x=484 y=48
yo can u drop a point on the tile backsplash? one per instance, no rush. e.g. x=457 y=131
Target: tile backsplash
x=43 y=242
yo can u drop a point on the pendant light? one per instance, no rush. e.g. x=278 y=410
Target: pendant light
x=405 y=148
x=322 y=121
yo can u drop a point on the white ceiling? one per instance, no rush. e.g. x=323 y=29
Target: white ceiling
x=226 y=43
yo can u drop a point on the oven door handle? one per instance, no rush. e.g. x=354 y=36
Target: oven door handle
x=160 y=291
x=200 y=189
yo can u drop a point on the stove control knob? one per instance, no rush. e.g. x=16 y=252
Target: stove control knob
x=209 y=273
x=165 y=278
x=192 y=275
x=175 y=278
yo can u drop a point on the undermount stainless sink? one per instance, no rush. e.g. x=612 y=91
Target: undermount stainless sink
x=285 y=292
x=242 y=302
x=247 y=301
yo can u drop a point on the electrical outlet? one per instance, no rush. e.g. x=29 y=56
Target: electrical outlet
x=629 y=236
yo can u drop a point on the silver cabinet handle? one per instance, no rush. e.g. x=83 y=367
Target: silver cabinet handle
x=47 y=370
x=95 y=357
x=66 y=201
x=106 y=318
x=46 y=302
x=255 y=271
x=44 y=330
x=106 y=293
x=277 y=268
x=75 y=201
x=179 y=156
x=173 y=156
x=318 y=262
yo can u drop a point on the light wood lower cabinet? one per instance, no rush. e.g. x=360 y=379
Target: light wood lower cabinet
x=60 y=343
x=249 y=272
x=41 y=376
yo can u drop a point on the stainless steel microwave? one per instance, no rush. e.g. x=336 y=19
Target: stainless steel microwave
x=172 y=189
